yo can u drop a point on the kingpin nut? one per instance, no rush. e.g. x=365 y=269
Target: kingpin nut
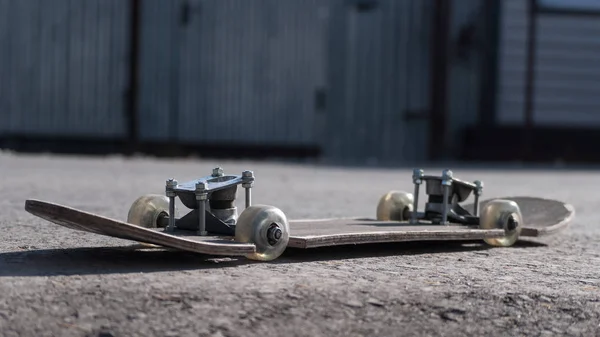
x=217 y=172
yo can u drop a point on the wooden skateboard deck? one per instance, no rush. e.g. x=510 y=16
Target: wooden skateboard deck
x=541 y=217
x=88 y=222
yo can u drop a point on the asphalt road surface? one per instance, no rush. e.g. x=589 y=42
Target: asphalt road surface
x=59 y=282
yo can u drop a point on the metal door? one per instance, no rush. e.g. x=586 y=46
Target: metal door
x=379 y=81
x=249 y=71
x=64 y=67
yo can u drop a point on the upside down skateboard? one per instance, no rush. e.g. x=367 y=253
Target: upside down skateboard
x=212 y=225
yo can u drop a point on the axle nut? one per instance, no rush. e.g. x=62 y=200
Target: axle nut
x=274 y=234
x=512 y=223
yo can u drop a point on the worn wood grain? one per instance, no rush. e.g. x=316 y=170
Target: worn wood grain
x=84 y=221
x=380 y=235
x=541 y=217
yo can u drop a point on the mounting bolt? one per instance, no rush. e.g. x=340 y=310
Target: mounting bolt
x=478 y=187
x=170 y=192
x=201 y=187
x=417 y=175
x=477 y=192
x=201 y=197
x=417 y=181
x=274 y=234
x=217 y=172
x=447 y=176
x=446 y=184
x=247 y=179
x=170 y=186
x=247 y=183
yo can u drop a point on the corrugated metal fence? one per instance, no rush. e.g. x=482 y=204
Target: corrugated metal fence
x=379 y=81
x=64 y=67
x=351 y=77
x=232 y=70
x=566 y=68
x=327 y=73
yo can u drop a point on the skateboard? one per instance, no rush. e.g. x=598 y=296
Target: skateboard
x=263 y=232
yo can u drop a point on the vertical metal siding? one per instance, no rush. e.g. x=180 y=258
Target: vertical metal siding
x=237 y=72
x=567 y=84
x=64 y=66
x=512 y=61
x=464 y=69
x=567 y=72
x=4 y=71
x=249 y=70
x=379 y=72
x=158 y=68
x=415 y=81
x=246 y=72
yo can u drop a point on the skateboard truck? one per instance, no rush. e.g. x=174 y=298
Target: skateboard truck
x=445 y=193
x=213 y=216
x=211 y=200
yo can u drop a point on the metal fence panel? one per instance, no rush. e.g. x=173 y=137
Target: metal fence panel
x=468 y=39
x=325 y=73
x=243 y=71
x=512 y=62
x=63 y=67
x=566 y=67
x=249 y=70
x=380 y=76
x=567 y=71
x=158 y=67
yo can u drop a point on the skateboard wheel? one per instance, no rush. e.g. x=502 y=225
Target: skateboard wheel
x=502 y=214
x=266 y=227
x=147 y=209
x=395 y=205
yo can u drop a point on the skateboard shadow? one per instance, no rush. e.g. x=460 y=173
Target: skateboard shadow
x=141 y=259
x=107 y=260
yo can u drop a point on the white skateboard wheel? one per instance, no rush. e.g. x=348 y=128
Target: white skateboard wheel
x=395 y=205
x=502 y=214
x=147 y=209
x=267 y=228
